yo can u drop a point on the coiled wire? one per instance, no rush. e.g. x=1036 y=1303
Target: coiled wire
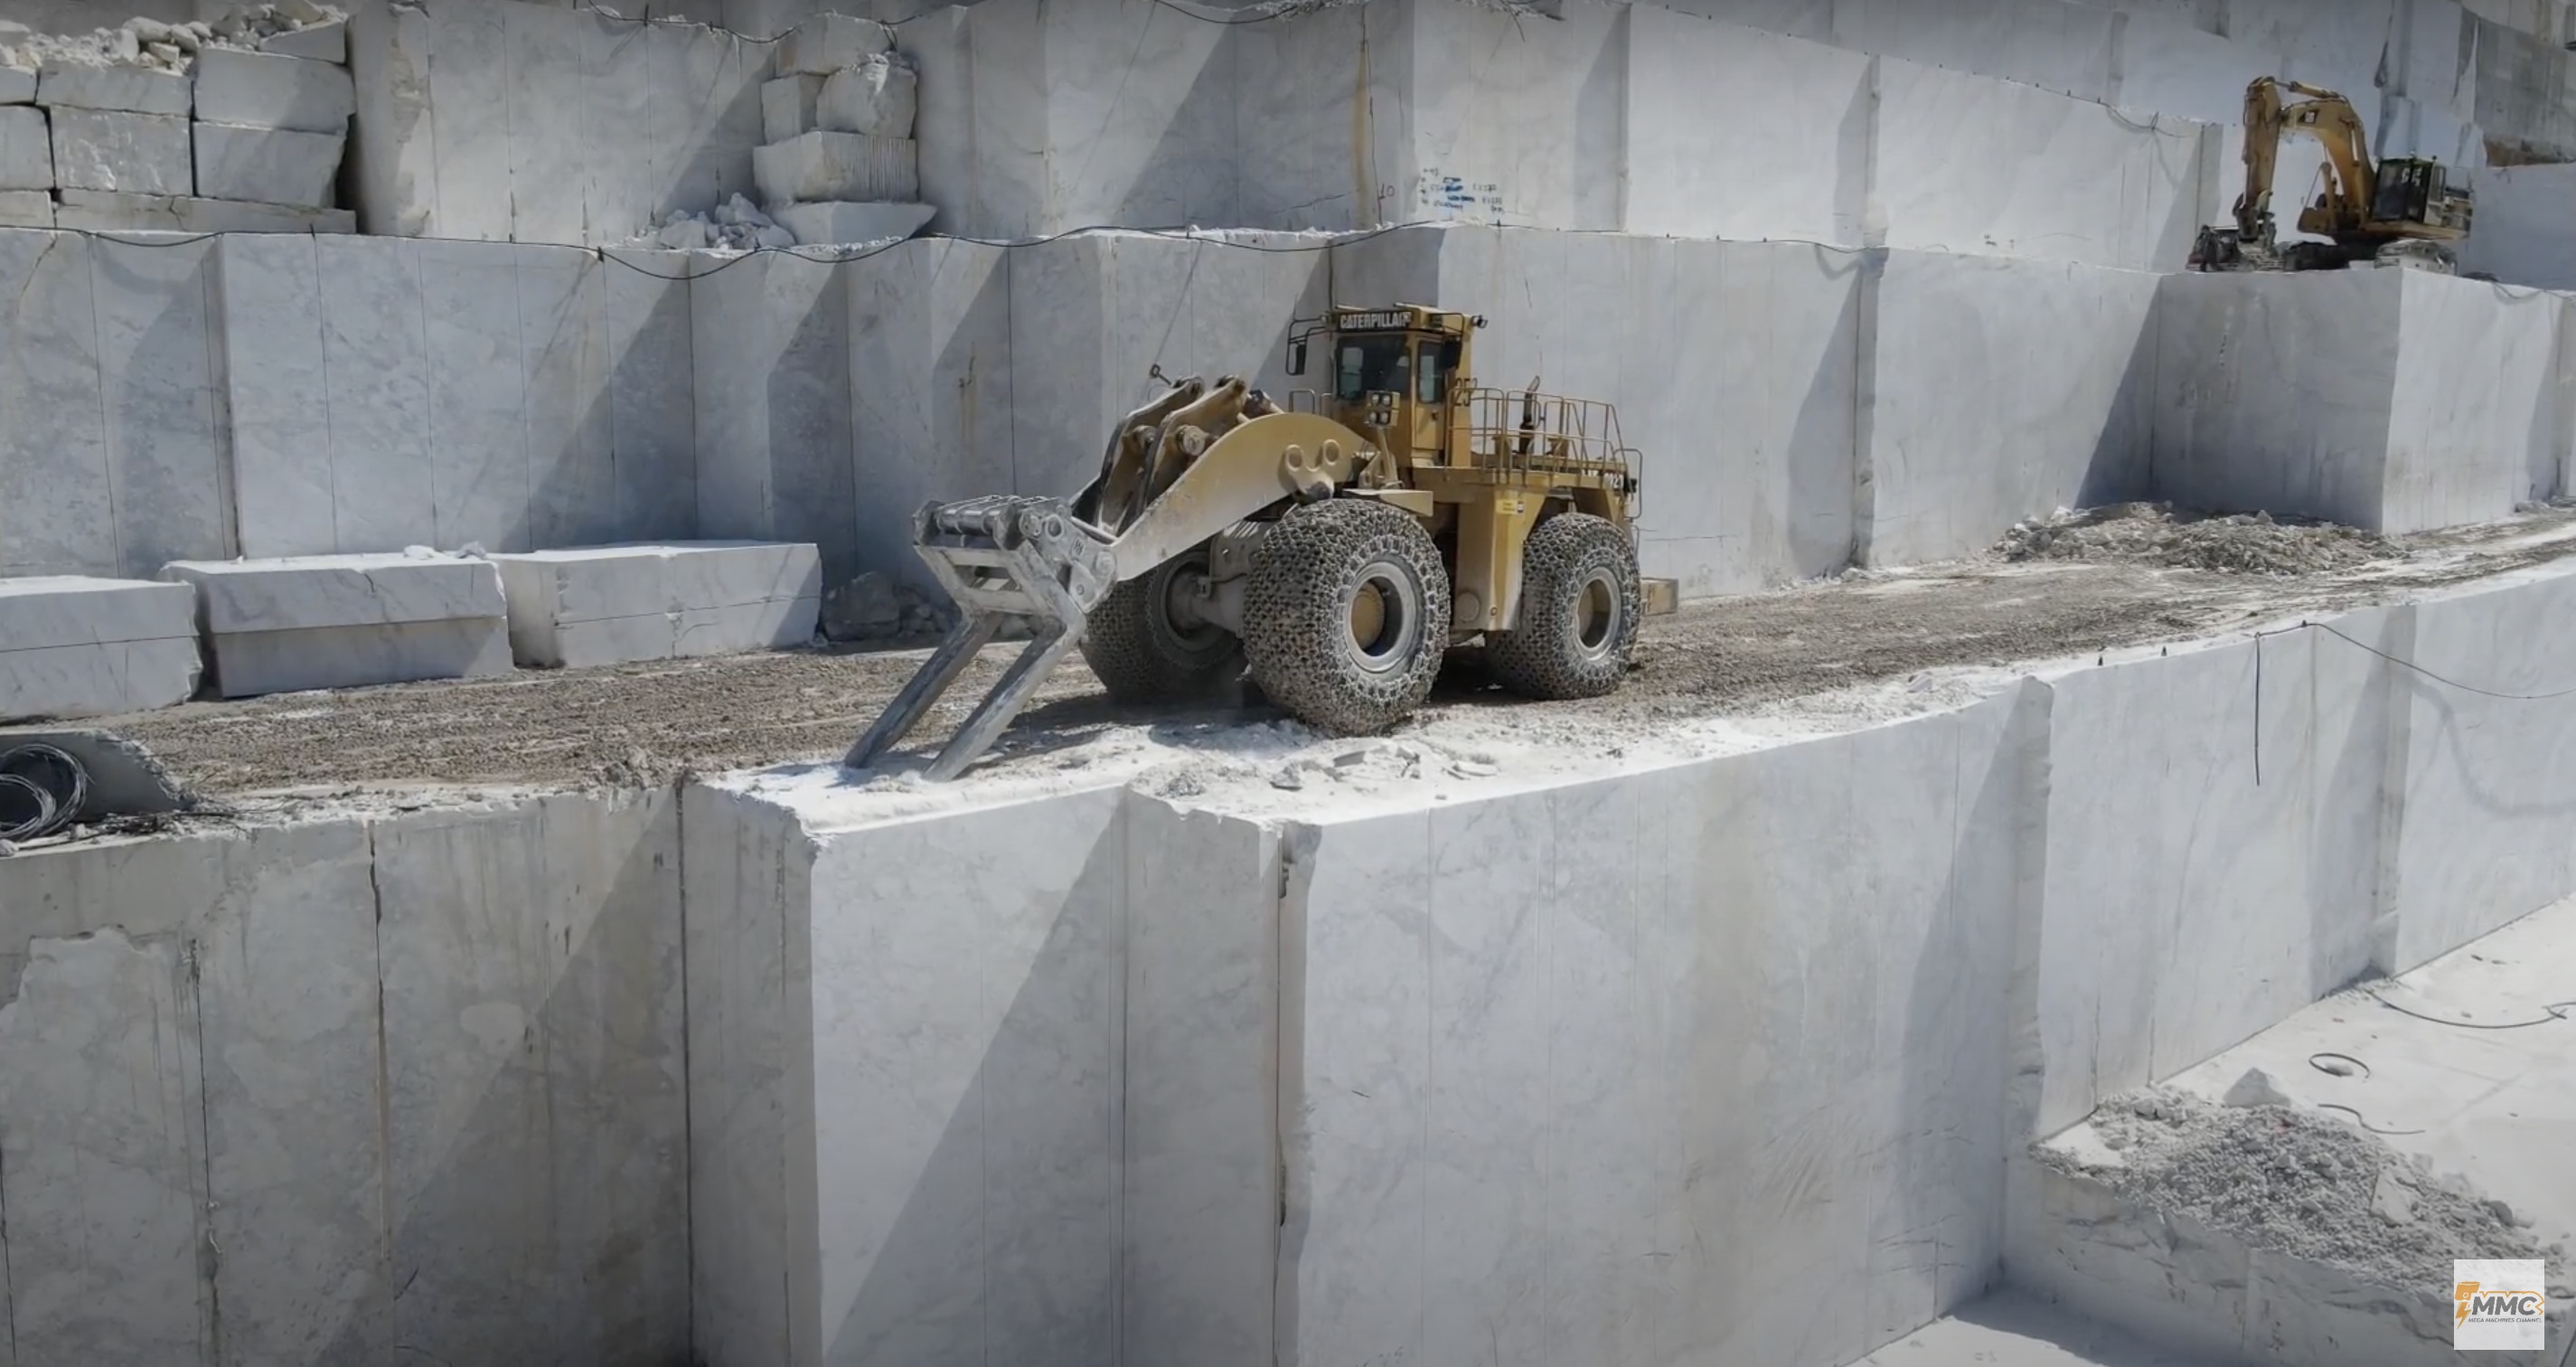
x=42 y=790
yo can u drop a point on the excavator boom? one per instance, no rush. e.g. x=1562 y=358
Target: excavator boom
x=2362 y=207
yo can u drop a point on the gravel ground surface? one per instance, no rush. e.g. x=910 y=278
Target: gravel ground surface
x=1715 y=658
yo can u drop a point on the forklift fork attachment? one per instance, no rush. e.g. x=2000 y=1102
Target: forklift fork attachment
x=999 y=558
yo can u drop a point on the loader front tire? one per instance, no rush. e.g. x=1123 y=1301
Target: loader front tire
x=1347 y=616
x=1143 y=656
x=1581 y=601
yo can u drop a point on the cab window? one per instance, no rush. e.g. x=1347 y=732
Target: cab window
x=1438 y=359
x=1369 y=365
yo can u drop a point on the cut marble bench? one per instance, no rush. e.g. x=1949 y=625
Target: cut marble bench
x=346 y=621
x=600 y=605
x=79 y=647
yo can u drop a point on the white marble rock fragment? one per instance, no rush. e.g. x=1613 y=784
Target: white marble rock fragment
x=146 y=154
x=266 y=90
x=828 y=42
x=787 y=106
x=129 y=89
x=17 y=85
x=267 y=165
x=328 y=42
x=876 y=97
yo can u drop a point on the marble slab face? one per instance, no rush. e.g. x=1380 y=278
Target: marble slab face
x=27 y=208
x=57 y=514
x=74 y=647
x=1951 y=460
x=132 y=89
x=102 y=1114
x=824 y=165
x=534 y=1074
x=272 y=90
x=266 y=166
x=144 y=154
x=26 y=150
x=1541 y=1043
x=610 y=604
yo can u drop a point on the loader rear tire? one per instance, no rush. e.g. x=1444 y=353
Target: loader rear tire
x=1581 y=601
x=1347 y=616
x=1143 y=656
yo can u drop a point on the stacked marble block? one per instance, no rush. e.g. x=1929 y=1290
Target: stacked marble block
x=79 y=647
x=839 y=164
x=606 y=605
x=243 y=141
x=346 y=621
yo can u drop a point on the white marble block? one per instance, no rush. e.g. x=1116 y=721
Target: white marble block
x=130 y=89
x=602 y=605
x=26 y=209
x=875 y=97
x=267 y=165
x=143 y=154
x=839 y=221
x=828 y=42
x=267 y=90
x=17 y=85
x=320 y=42
x=26 y=150
x=346 y=621
x=75 y=647
x=824 y=165
x=107 y=211
x=787 y=106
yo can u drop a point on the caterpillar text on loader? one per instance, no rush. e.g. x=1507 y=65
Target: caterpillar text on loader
x=1332 y=550
x=2404 y=210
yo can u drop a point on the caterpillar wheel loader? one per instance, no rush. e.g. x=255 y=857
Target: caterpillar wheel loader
x=1331 y=551
x=2403 y=210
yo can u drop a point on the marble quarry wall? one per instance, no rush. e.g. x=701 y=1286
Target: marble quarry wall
x=2398 y=400
x=1171 y=1085
x=1798 y=407
x=350 y=1089
x=1525 y=1050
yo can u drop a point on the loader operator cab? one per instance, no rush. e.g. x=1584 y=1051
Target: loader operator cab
x=1394 y=374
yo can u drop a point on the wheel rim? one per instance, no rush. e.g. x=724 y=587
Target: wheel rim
x=1172 y=583
x=1598 y=614
x=1385 y=618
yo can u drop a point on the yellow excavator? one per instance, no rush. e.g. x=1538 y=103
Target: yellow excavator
x=2403 y=209
x=1331 y=551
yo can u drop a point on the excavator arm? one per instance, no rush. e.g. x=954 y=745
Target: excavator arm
x=2325 y=116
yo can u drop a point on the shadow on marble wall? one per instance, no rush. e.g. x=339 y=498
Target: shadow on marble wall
x=1007 y=1231
x=397 y=1091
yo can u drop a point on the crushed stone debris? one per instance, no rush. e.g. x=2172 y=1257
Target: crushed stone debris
x=152 y=44
x=2299 y=1183
x=2160 y=534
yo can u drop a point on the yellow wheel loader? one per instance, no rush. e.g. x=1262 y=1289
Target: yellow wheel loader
x=2403 y=209
x=1332 y=550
